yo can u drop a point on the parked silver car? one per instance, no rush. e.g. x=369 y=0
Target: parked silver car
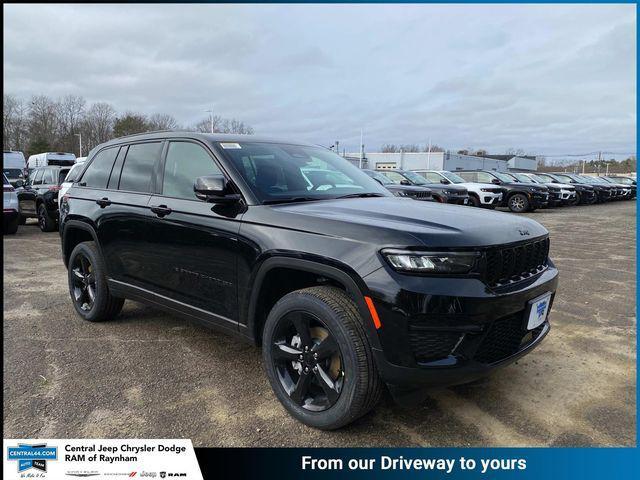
x=10 y=208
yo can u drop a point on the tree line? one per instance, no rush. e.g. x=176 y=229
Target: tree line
x=628 y=165
x=43 y=124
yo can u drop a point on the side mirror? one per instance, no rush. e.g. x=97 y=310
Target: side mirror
x=495 y=181
x=19 y=183
x=215 y=189
x=405 y=182
x=444 y=181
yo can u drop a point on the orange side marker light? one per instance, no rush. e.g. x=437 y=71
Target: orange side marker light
x=372 y=311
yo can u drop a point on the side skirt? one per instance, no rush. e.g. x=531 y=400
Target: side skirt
x=204 y=317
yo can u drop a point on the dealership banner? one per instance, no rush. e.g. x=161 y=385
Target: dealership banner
x=95 y=458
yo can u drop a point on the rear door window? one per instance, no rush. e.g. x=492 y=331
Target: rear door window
x=394 y=177
x=37 y=178
x=47 y=178
x=138 y=167
x=485 y=177
x=98 y=171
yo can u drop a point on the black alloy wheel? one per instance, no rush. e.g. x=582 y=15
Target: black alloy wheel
x=308 y=361
x=83 y=285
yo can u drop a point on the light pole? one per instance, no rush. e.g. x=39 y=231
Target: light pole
x=210 y=112
x=79 y=135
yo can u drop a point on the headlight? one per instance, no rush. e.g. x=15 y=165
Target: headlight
x=400 y=194
x=488 y=190
x=431 y=262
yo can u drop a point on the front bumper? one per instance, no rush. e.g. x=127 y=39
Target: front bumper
x=490 y=198
x=446 y=331
x=539 y=199
x=456 y=199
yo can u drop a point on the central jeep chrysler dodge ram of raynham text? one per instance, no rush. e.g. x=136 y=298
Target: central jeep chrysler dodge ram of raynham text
x=346 y=287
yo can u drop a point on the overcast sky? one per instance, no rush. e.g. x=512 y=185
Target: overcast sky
x=550 y=79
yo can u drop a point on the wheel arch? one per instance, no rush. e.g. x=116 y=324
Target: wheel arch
x=353 y=285
x=76 y=232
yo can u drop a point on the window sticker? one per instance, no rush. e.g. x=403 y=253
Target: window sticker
x=227 y=145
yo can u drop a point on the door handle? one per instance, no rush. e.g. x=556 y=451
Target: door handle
x=161 y=210
x=103 y=202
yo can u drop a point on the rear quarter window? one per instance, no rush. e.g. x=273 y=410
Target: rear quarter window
x=98 y=171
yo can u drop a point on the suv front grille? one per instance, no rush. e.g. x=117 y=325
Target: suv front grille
x=511 y=264
x=505 y=337
x=417 y=194
x=429 y=345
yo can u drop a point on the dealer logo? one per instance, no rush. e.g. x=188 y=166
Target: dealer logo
x=32 y=456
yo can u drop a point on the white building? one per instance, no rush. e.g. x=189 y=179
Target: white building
x=444 y=161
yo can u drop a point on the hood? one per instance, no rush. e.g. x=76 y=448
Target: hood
x=451 y=187
x=562 y=185
x=398 y=222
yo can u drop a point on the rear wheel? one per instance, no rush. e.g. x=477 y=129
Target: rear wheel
x=88 y=285
x=318 y=358
x=45 y=222
x=519 y=203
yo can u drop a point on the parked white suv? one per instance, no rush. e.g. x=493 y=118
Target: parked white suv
x=10 y=207
x=484 y=195
x=70 y=178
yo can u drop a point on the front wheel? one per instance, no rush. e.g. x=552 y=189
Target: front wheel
x=474 y=201
x=88 y=285
x=11 y=227
x=519 y=203
x=318 y=358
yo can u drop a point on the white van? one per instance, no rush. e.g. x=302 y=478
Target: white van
x=13 y=166
x=51 y=158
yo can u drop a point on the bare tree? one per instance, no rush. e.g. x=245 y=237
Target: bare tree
x=162 y=121
x=14 y=123
x=516 y=152
x=43 y=122
x=70 y=116
x=97 y=126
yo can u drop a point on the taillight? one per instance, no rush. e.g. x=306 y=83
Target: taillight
x=54 y=188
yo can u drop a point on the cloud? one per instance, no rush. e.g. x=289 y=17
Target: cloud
x=546 y=78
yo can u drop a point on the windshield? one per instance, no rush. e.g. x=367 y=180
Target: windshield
x=12 y=172
x=452 y=177
x=73 y=173
x=539 y=178
x=62 y=175
x=522 y=178
x=623 y=180
x=378 y=176
x=564 y=178
x=503 y=177
x=415 y=178
x=281 y=172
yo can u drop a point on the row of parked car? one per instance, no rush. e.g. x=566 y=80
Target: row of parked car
x=38 y=189
x=34 y=191
x=520 y=192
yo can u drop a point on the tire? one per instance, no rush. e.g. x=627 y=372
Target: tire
x=103 y=306
x=519 y=203
x=356 y=381
x=577 y=200
x=10 y=228
x=474 y=201
x=45 y=222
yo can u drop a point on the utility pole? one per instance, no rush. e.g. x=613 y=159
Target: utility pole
x=79 y=135
x=429 y=156
x=210 y=112
x=338 y=147
x=361 y=149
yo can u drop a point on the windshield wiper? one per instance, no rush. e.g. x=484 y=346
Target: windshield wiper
x=361 y=195
x=291 y=200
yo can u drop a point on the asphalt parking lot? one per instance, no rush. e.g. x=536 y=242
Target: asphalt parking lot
x=151 y=375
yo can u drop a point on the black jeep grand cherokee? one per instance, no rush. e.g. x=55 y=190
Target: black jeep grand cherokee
x=345 y=286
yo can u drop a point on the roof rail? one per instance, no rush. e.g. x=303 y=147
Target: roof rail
x=145 y=133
